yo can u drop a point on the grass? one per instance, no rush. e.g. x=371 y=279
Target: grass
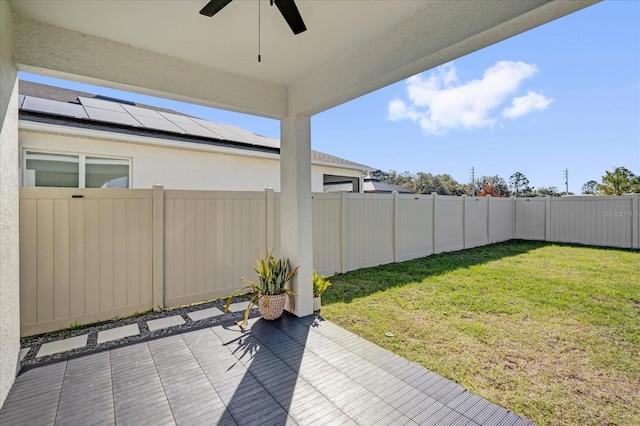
x=551 y=332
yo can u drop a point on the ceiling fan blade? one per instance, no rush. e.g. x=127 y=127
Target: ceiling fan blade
x=290 y=12
x=213 y=7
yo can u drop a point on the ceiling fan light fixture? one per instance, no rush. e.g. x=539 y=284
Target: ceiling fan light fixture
x=287 y=8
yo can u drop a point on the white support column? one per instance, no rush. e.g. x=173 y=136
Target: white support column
x=9 y=207
x=296 y=207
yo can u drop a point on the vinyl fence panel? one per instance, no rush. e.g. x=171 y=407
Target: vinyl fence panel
x=476 y=221
x=602 y=221
x=327 y=228
x=369 y=234
x=415 y=227
x=85 y=255
x=212 y=240
x=501 y=215
x=448 y=224
x=530 y=218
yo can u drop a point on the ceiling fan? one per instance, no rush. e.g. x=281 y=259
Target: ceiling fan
x=287 y=8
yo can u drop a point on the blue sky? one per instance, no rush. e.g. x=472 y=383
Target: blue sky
x=565 y=95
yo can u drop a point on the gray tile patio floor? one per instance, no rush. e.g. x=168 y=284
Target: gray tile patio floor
x=285 y=372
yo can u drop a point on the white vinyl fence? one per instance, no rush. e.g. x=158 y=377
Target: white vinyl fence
x=353 y=231
x=599 y=221
x=84 y=255
x=92 y=254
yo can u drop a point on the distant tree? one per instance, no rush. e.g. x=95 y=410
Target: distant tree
x=519 y=184
x=590 y=188
x=489 y=189
x=380 y=175
x=404 y=180
x=492 y=185
x=421 y=183
x=466 y=188
x=424 y=183
x=619 y=182
x=550 y=190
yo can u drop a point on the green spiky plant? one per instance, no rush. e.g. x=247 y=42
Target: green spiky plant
x=273 y=275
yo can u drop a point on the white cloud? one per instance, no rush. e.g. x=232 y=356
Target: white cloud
x=523 y=105
x=439 y=101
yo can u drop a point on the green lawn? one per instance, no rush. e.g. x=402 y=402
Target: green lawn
x=551 y=332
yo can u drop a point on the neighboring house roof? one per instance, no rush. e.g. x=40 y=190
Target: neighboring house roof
x=55 y=105
x=369 y=185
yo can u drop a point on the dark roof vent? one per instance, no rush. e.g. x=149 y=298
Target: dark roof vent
x=110 y=99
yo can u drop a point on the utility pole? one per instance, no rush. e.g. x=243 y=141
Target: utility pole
x=473 y=182
x=566 y=181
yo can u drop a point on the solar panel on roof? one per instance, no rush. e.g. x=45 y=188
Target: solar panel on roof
x=251 y=138
x=145 y=112
x=122 y=118
x=195 y=130
x=235 y=129
x=265 y=141
x=208 y=124
x=218 y=129
x=48 y=106
x=176 y=118
x=99 y=103
x=161 y=124
x=246 y=136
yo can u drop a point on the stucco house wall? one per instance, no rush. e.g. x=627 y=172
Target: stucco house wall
x=161 y=146
x=9 y=184
x=176 y=165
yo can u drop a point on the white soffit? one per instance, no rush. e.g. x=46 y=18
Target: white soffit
x=350 y=47
x=229 y=39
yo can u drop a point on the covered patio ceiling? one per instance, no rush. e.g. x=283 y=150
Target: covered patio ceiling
x=166 y=48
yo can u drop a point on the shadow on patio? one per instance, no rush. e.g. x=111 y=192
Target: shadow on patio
x=289 y=371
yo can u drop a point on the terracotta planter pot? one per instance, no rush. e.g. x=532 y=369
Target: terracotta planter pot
x=271 y=307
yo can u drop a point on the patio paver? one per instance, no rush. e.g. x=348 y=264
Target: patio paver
x=62 y=345
x=238 y=306
x=204 y=314
x=23 y=353
x=287 y=372
x=166 y=322
x=118 y=333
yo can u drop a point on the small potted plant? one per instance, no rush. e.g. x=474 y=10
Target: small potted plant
x=320 y=284
x=268 y=291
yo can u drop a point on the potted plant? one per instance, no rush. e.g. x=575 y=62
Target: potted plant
x=320 y=284
x=268 y=291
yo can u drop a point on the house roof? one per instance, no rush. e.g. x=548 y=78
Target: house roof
x=55 y=105
x=374 y=185
x=369 y=185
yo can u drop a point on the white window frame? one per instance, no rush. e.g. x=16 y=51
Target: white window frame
x=82 y=158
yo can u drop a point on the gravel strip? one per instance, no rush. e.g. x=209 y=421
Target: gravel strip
x=34 y=342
